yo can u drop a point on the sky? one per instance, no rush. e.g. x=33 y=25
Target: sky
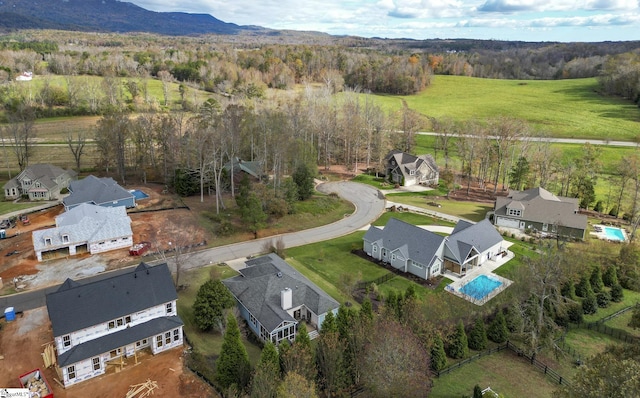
x=527 y=20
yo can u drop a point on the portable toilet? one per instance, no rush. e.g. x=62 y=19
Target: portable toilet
x=3 y=234
x=10 y=314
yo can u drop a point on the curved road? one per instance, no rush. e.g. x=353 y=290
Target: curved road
x=369 y=203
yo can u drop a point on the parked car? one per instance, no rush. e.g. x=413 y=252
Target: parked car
x=7 y=223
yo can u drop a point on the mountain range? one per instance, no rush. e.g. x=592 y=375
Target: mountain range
x=108 y=16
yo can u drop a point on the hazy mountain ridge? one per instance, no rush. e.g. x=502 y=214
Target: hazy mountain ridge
x=107 y=16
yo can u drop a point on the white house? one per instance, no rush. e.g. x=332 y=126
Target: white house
x=406 y=169
x=99 y=323
x=423 y=253
x=85 y=228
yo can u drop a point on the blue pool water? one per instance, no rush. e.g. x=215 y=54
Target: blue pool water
x=480 y=287
x=138 y=194
x=614 y=234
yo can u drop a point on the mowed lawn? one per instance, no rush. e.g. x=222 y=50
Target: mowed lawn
x=562 y=108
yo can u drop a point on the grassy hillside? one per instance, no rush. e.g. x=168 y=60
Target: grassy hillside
x=562 y=108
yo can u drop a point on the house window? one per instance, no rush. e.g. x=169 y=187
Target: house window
x=253 y=320
x=167 y=338
x=65 y=238
x=393 y=257
x=375 y=249
x=554 y=228
x=127 y=319
x=114 y=240
x=71 y=372
x=120 y=322
x=176 y=334
x=545 y=227
x=514 y=212
x=169 y=308
x=412 y=172
x=96 y=363
x=112 y=324
x=115 y=353
x=66 y=341
x=159 y=341
x=47 y=241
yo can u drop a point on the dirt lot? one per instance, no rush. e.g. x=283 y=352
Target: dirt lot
x=163 y=228
x=22 y=341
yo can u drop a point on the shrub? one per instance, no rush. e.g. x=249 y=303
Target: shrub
x=574 y=313
x=498 y=331
x=596 y=279
x=590 y=304
x=617 y=294
x=610 y=276
x=603 y=299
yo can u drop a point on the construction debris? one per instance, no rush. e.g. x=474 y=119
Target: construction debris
x=142 y=390
x=49 y=355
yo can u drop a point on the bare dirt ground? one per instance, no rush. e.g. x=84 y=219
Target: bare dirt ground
x=164 y=229
x=22 y=341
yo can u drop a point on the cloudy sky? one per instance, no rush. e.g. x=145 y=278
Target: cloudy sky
x=530 y=20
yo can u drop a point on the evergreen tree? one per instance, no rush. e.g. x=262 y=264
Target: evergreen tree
x=458 y=345
x=498 y=331
x=610 y=276
x=244 y=190
x=438 y=356
x=590 y=303
x=299 y=357
x=212 y=299
x=253 y=215
x=266 y=379
x=603 y=299
x=303 y=178
x=291 y=195
x=596 y=280
x=583 y=287
x=514 y=319
x=617 y=294
x=366 y=310
x=344 y=322
x=232 y=366
x=477 y=391
x=478 y=336
x=296 y=386
x=568 y=289
x=634 y=322
x=329 y=324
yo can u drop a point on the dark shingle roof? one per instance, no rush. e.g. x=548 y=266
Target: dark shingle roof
x=95 y=190
x=540 y=205
x=421 y=245
x=118 y=339
x=76 y=305
x=259 y=285
x=467 y=236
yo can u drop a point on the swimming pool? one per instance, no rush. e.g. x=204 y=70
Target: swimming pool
x=138 y=194
x=480 y=287
x=614 y=234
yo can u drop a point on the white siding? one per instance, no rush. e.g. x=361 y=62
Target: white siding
x=110 y=244
x=507 y=222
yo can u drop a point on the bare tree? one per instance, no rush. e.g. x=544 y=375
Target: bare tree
x=22 y=131
x=76 y=145
x=112 y=133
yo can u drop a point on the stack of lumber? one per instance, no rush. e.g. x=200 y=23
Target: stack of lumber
x=49 y=355
x=142 y=390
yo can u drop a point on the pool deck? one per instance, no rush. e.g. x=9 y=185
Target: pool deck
x=599 y=232
x=486 y=268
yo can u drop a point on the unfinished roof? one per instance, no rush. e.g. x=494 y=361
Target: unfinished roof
x=95 y=190
x=259 y=285
x=540 y=205
x=77 y=305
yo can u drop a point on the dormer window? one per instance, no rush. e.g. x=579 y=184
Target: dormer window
x=47 y=241
x=514 y=212
x=169 y=308
x=412 y=172
x=65 y=238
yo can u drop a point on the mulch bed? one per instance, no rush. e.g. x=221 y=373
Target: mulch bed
x=428 y=283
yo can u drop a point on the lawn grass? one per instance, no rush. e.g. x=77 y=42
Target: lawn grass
x=630 y=298
x=569 y=108
x=585 y=343
x=8 y=207
x=411 y=218
x=206 y=343
x=622 y=322
x=506 y=374
x=473 y=211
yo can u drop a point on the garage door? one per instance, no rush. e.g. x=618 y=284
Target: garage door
x=508 y=222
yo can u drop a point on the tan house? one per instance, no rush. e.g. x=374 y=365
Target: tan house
x=40 y=182
x=405 y=169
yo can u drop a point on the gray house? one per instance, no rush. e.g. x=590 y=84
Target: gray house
x=276 y=300
x=406 y=169
x=539 y=210
x=98 y=191
x=40 y=182
x=97 y=324
x=417 y=251
x=84 y=229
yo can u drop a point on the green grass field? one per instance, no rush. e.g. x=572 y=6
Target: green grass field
x=563 y=108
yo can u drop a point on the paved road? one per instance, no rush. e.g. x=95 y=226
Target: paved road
x=558 y=140
x=369 y=202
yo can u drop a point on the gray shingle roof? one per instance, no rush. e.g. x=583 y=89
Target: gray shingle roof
x=540 y=205
x=259 y=285
x=85 y=223
x=407 y=162
x=45 y=173
x=95 y=190
x=74 y=307
x=467 y=236
x=118 y=339
x=421 y=245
